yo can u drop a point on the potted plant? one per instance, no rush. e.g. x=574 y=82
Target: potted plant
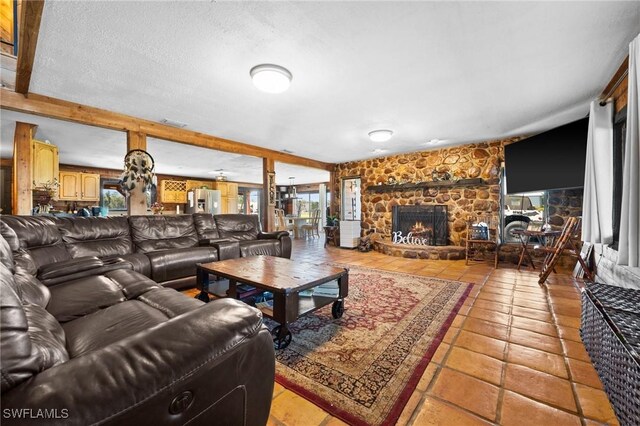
x=332 y=220
x=45 y=192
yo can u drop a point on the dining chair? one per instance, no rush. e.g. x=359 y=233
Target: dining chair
x=281 y=223
x=311 y=228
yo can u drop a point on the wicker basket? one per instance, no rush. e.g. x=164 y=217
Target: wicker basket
x=611 y=334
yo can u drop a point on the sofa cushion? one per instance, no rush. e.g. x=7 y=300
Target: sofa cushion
x=139 y=262
x=47 y=337
x=31 y=339
x=108 y=325
x=152 y=233
x=40 y=236
x=260 y=247
x=18 y=361
x=77 y=298
x=32 y=290
x=205 y=226
x=96 y=236
x=179 y=263
x=238 y=226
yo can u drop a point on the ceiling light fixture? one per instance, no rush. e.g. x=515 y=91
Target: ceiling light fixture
x=380 y=135
x=173 y=123
x=271 y=78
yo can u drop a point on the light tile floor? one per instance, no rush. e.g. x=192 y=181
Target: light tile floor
x=513 y=355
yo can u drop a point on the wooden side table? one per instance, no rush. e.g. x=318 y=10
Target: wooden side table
x=331 y=234
x=546 y=238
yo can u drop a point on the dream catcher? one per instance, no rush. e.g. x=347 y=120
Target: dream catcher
x=138 y=170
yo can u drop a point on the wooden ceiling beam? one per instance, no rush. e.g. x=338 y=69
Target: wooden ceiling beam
x=69 y=111
x=30 y=17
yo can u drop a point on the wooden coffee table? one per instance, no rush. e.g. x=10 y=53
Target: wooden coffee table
x=285 y=279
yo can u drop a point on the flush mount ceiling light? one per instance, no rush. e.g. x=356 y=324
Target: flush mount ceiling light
x=271 y=78
x=380 y=135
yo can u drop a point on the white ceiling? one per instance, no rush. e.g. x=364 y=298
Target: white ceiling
x=458 y=71
x=95 y=147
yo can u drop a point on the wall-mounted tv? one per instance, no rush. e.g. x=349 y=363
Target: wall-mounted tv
x=551 y=160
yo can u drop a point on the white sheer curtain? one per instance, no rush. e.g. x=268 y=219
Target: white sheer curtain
x=629 y=247
x=597 y=204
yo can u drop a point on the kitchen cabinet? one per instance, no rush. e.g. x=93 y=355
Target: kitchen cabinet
x=173 y=191
x=76 y=186
x=228 y=195
x=44 y=162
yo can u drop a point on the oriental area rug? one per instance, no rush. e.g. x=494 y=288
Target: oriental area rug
x=364 y=366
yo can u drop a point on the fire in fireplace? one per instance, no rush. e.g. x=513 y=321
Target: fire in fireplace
x=421 y=225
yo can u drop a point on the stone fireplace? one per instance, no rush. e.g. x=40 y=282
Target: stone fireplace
x=420 y=224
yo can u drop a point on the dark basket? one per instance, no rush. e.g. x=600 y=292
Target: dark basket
x=611 y=337
x=479 y=232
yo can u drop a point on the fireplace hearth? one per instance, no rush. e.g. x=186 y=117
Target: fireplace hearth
x=420 y=225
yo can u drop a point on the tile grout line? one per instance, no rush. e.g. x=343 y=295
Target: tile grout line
x=503 y=376
x=564 y=358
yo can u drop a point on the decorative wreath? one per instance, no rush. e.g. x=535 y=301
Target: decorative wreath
x=138 y=170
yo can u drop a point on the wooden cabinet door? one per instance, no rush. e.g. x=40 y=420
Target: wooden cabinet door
x=232 y=190
x=45 y=162
x=90 y=187
x=69 y=186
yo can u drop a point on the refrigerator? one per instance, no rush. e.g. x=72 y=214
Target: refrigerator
x=204 y=201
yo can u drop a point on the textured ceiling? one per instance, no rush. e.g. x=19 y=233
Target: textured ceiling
x=95 y=147
x=458 y=71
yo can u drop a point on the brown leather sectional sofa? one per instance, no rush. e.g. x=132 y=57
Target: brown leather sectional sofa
x=88 y=336
x=163 y=248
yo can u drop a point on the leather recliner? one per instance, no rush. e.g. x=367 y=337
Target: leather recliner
x=114 y=347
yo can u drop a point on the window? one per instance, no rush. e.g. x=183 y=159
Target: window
x=307 y=203
x=111 y=196
x=522 y=209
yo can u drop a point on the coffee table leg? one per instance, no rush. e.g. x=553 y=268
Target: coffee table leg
x=202 y=281
x=233 y=291
x=281 y=336
x=337 y=309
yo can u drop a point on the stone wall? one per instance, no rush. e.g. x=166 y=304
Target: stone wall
x=481 y=160
x=562 y=204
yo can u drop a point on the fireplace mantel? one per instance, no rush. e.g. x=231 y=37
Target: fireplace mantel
x=438 y=184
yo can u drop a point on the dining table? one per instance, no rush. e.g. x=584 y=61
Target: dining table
x=297 y=222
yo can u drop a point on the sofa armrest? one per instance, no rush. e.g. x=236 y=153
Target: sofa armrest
x=211 y=241
x=100 y=268
x=217 y=360
x=227 y=249
x=272 y=235
x=68 y=267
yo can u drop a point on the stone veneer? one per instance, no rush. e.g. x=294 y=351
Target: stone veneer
x=481 y=160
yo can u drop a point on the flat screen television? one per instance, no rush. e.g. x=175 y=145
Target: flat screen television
x=554 y=159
